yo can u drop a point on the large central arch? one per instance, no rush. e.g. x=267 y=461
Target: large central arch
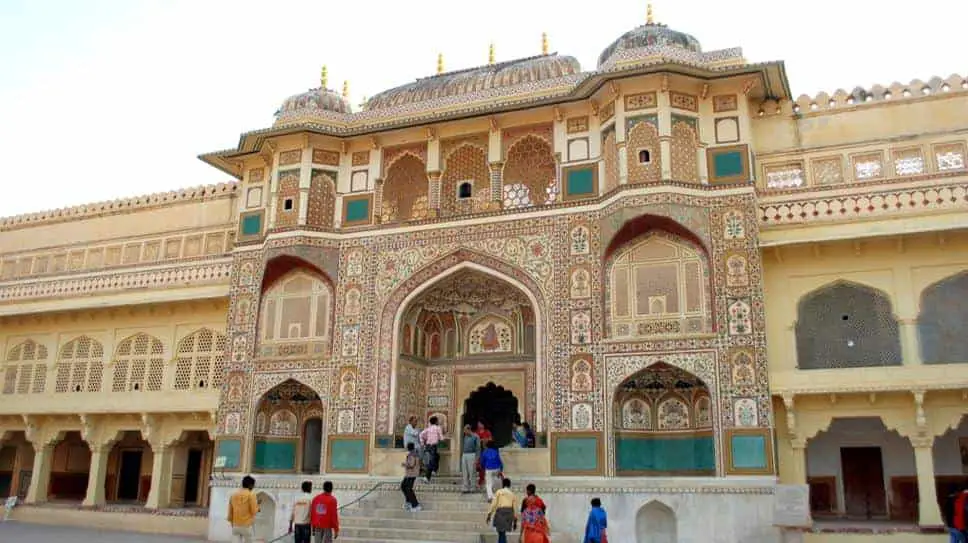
x=427 y=277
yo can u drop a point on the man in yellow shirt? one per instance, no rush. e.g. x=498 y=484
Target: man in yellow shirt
x=503 y=511
x=243 y=507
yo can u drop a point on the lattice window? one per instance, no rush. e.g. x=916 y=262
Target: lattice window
x=139 y=364
x=658 y=286
x=943 y=320
x=908 y=162
x=405 y=191
x=868 y=166
x=516 y=195
x=784 y=176
x=846 y=325
x=531 y=162
x=80 y=367
x=200 y=360
x=297 y=307
x=950 y=156
x=26 y=369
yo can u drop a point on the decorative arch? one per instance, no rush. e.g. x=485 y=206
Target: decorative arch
x=490 y=334
x=405 y=189
x=610 y=158
x=465 y=163
x=280 y=416
x=685 y=147
x=139 y=364
x=423 y=279
x=658 y=284
x=943 y=319
x=656 y=522
x=321 y=209
x=644 y=135
x=846 y=325
x=25 y=369
x=80 y=366
x=530 y=173
x=298 y=307
x=200 y=360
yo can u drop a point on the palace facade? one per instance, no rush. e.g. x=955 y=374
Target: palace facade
x=692 y=284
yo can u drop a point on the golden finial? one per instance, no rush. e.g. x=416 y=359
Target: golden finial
x=440 y=63
x=323 y=77
x=490 y=54
x=346 y=89
x=649 y=20
x=544 y=43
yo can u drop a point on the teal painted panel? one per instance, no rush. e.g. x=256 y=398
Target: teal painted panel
x=347 y=455
x=576 y=454
x=748 y=452
x=665 y=454
x=252 y=224
x=728 y=164
x=580 y=182
x=275 y=455
x=358 y=210
x=231 y=449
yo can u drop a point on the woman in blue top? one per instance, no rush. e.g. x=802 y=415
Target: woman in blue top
x=597 y=523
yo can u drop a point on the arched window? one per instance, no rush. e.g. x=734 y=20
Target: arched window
x=846 y=325
x=26 y=369
x=943 y=320
x=645 y=157
x=200 y=360
x=465 y=190
x=297 y=307
x=80 y=366
x=658 y=286
x=139 y=364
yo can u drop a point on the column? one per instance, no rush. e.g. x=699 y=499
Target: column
x=910 y=343
x=929 y=514
x=97 y=474
x=798 y=461
x=159 y=495
x=40 y=478
x=623 y=162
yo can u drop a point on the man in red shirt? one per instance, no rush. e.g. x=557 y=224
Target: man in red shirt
x=324 y=515
x=485 y=436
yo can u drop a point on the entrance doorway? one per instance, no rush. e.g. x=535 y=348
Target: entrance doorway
x=863 y=473
x=312 y=445
x=496 y=407
x=193 y=472
x=129 y=476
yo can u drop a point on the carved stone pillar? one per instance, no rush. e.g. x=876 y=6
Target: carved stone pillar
x=377 y=201
x=798 y=461
x=623 y=162
x=433 y=194
x=159 y=496
x=98 y=473
x=929 y=514
x=40 y=478
x=497 y=182
x=910 y=342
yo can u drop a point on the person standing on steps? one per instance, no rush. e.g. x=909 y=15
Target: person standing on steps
x=597 y=523
x=411 y=434
x=243 y=507
x=493 y=466
x=470 y=448
x=502 y=510
x=534 y=522
x=430 y=438
x=411 y=470
x=299 y=525
x=485 y=436
x=325 y=515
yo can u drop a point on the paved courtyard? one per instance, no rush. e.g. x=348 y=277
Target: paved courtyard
x=16 y=532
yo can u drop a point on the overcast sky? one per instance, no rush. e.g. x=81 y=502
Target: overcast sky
x=103 y=99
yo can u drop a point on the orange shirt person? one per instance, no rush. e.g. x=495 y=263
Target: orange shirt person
x=243 y=507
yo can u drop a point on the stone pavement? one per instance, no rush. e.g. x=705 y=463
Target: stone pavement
x=17 y=532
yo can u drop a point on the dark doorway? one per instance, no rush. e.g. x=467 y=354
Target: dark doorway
x=312 y=445
x=863 y=473
x=129 y=476
x=496 y=407
x=193 y=470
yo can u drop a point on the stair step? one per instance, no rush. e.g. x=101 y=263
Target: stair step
x=416 y=520
x=393 y=534
x=399 y=513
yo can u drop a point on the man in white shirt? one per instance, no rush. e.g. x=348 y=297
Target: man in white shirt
x=411 y=434
x=430 y=438
x=299 y=523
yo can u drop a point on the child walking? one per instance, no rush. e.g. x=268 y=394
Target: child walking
x=411 y=470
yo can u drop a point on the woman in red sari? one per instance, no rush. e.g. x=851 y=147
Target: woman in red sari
x=534 y=523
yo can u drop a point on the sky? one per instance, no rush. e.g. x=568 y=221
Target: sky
x=106 y=99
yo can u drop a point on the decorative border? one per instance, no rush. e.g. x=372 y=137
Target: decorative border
x=743 y=176
x=242 y=236
x=768 y=454
x=565 y=196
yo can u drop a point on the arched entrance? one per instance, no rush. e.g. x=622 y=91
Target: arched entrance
x=467 y=329
x=496 y=407
x=662 y=422
x=280 y=438
x=656 y=523
x=312 y=438
x=265 y=519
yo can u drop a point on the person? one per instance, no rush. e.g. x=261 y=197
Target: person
x=485 y=436
x=519 y=436
x=470 y=448
x=953 y=514
x=493 y=466
x=411 y=434
x=411 y=470
x=534 y=522
x=596 y=524
x=529 y=435
x=299 y=525
x=502 y=511
x=325 y=515
x=243 y=507
x=429 y=439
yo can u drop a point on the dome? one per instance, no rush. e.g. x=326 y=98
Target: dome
x=650 y=35
x=313 y=101
x=490 y=76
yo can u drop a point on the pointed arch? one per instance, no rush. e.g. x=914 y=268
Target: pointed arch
x=139 y=364
x=200 y=360
x=465 y=163
x=298 y=307
x=644 y=136
x=80 y=366
x=529 y=167
x=656 y=522
x=846 y=324
x=405 y=189
x=25 y=368
x=942 y=321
